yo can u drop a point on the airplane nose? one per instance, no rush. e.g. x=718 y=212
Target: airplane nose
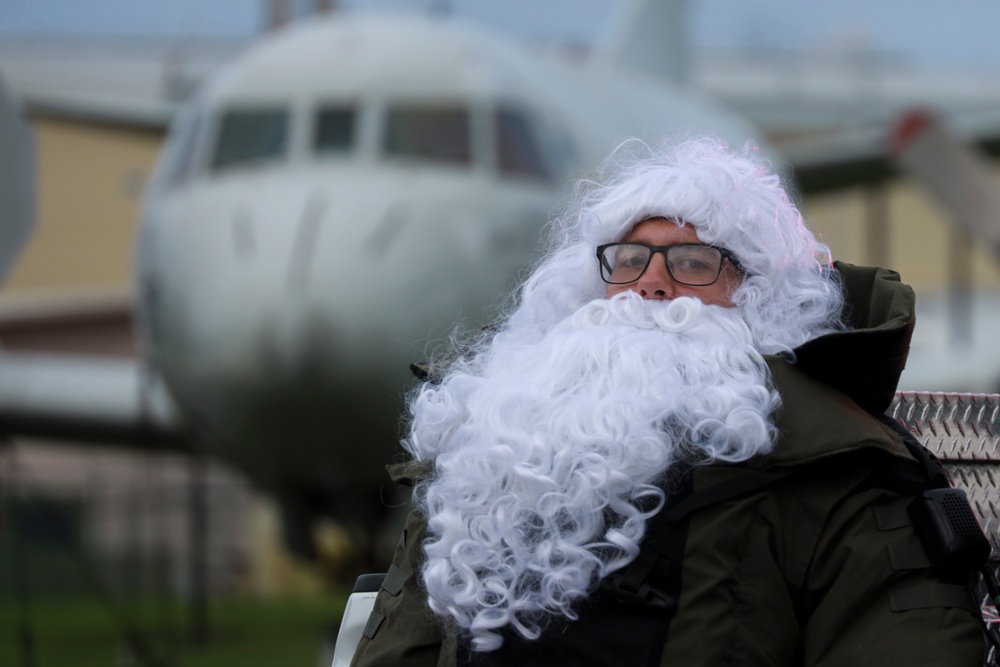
x=238 y=299
x=310 y=311
x=297 y=337
x=298 y=344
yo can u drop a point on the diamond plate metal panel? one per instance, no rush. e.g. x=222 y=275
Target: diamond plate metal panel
x=955 y=427
x=963 y=431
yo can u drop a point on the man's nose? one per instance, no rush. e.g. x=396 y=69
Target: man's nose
x=656 y=282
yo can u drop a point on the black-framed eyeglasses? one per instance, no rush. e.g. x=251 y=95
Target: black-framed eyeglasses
x=694 y=264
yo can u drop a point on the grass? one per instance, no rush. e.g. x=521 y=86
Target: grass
x=84 y=632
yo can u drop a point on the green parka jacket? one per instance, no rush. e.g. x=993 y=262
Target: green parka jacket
x=818 y=569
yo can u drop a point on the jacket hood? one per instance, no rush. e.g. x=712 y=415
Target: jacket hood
x=866 y=361
x=839 y=380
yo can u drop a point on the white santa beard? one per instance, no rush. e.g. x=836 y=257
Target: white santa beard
x=548 y=454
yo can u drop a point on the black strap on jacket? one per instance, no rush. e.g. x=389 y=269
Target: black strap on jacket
x=934 y=472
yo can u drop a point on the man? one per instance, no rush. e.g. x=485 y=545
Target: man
x=667 y=453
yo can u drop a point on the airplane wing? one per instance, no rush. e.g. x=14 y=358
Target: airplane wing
x=864 y=156
x=95 y=399
x=956 y=174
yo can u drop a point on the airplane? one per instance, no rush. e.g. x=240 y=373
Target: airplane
x=954 y=348
x=323 y=213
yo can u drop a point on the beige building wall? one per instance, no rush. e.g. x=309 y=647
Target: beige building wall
x=68 y=293
x=919 y=235
x=90 y=179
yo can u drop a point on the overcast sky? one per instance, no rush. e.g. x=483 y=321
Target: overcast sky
x=956 y=33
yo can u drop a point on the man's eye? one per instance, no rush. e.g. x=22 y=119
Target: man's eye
x=692 y=264
x=631 y=261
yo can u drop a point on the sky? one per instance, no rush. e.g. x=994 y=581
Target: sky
x=957 y=33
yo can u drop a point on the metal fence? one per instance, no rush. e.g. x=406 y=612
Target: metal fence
x=130 y=518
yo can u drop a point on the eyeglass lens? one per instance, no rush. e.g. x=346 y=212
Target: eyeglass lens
x=688 y=264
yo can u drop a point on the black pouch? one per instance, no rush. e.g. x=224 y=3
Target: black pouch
x=950 y=533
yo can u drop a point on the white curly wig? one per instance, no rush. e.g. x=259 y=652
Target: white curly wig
x=553 y=438
x=734 y=201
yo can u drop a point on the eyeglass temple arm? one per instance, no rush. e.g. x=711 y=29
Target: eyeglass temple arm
x=603 y=261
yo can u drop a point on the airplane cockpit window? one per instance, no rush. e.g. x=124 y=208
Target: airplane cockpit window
x=248 y=136
x=518 y=149
x=440 y=134
x=334 y=130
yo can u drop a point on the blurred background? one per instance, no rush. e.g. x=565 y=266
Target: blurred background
x=173 y=495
